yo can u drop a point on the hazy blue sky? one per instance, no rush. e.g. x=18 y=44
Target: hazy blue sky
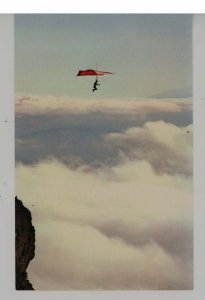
x=150 y=54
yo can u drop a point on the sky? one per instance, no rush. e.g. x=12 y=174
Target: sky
x=150 y=54
x=107 y=176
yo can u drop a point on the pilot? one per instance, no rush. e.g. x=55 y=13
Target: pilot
x=95 y=85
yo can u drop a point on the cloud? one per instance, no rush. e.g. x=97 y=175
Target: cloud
x=166 y=147
x=48 y=126
x=109 y=185
x=118 y=228
x=35 y=105
x=90 y=260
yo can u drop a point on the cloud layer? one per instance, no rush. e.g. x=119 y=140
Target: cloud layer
x=109 y=184
x=123 y=229
x=99 y=132
x=166 y=147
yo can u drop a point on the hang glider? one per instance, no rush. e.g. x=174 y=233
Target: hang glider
x=91 y=72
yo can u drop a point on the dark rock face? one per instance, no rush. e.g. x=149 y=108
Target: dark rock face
x=25 y=244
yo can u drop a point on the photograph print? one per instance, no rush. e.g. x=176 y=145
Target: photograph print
x=104 y=152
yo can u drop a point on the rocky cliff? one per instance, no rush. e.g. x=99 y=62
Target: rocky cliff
x=25 y=244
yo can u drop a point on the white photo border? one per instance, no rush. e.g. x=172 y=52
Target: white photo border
x=7 y=182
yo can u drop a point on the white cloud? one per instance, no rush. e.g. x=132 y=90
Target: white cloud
x=70 y=209
x=109 y=130
x=124 y=225
x=166 y=147
x=34 y=104
x=80 y=257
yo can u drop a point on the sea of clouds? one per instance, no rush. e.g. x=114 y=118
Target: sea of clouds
x=109 y=185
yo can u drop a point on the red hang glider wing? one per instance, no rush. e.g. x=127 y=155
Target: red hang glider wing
x=90 y=72
x=103 y=73
x=87 y=73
